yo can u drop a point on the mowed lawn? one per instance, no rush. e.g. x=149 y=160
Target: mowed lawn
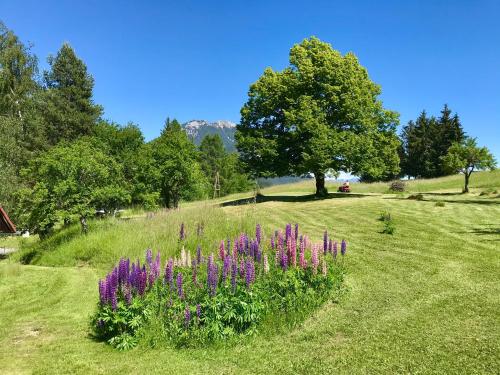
x=424 y=300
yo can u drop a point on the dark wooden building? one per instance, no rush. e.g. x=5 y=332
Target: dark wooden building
x=6 y=225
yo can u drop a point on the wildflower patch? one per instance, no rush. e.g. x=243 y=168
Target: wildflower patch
x=196 y=299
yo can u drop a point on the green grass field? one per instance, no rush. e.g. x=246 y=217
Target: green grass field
x=425 y=300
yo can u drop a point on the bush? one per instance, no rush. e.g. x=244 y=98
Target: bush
x=397 y=186
x=440 y=204
x=417 y=197
x=199 y=300
x=389 y=227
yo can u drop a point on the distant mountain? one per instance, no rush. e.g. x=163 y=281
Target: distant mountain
x=197 y=129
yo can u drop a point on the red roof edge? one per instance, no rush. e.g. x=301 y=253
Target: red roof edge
x=10 y=225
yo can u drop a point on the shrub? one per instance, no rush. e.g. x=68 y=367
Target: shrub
x=388 y=222
x=198 y=299
x=397 y=186
x=417 y=197
x=440 y=204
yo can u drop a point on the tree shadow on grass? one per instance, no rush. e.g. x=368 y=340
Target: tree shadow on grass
x=290 y=198
x=459 y=201
x=487 y=230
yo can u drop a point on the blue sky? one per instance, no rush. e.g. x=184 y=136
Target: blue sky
x=196 y=59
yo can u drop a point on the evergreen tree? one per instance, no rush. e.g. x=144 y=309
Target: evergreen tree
x=426 y=141
x=68 y=109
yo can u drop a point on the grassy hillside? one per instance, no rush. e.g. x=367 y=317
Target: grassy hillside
x=424 y=300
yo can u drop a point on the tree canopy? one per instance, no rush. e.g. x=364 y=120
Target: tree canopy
x=466 y=157
x=320 y=113
x=68 y=181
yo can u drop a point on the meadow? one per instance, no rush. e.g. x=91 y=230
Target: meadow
x=422 y=300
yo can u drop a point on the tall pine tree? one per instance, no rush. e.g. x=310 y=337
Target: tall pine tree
x=68 y=109
x=426 y=140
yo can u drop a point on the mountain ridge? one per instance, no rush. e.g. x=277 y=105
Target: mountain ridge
x=198 y=129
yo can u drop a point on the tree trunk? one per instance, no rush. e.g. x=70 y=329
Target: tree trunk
x=320 y=184
x=466 y=187
x=83 y=222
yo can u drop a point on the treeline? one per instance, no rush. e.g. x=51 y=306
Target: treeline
x=426 y=141
x=60 y=160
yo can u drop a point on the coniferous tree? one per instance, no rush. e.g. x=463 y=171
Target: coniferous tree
x=68 y=109
x=426 y=141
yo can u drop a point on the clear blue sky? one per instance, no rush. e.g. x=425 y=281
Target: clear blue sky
x=196 y=59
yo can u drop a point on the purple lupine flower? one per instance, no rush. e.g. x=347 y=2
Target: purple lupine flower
x=280 y=241
x=325 y=242
x=296 y=232
x=180 y=292
x=187 y=315
x=335 y=245
x=272 y=243
x=284 y=261
x=169 y=273
x=228 y=245
x=226 y=268
x=234 y=271
x=330 y=246
x=343 y=247
x=242 y=268
x=141 y=287
x=198 y=311
x=102 y=291
x=258 y=234
x=214 y=279
x=212 y=275
x=222 y=252
x=123 y=271
x=149 y=257
x=249 y=272
x=258 y=256
x=288 y=231
x=198 y=254
x=182 y=233
x=113 y=299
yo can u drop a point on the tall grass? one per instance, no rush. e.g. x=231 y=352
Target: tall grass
x=110 y=239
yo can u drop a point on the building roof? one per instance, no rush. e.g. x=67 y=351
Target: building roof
x=6 y=225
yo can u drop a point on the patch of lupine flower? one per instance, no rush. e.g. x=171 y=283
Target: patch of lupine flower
x=241 y=266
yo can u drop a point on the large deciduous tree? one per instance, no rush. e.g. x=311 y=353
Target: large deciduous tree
x=177 y=171
x=320 y=113
x=70 y=181
x=466 y=157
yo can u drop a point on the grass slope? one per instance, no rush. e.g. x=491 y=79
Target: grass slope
x=424 y=300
